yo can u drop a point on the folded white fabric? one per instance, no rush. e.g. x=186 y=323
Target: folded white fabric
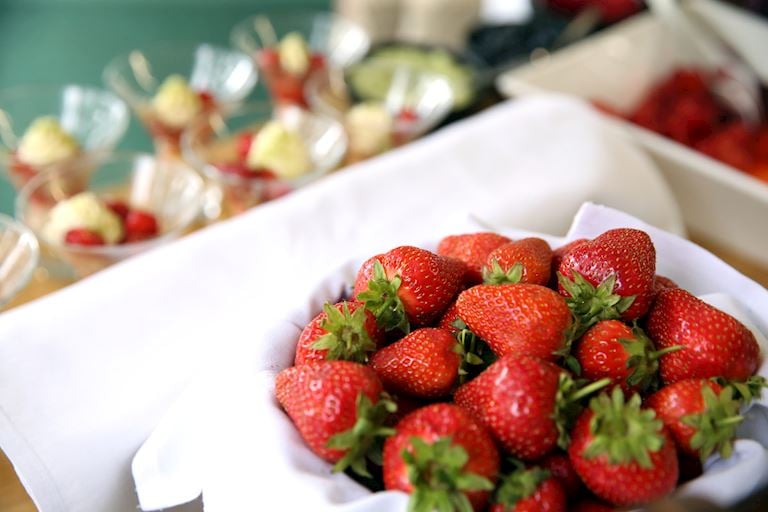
x=250 y=457
x=86 y=374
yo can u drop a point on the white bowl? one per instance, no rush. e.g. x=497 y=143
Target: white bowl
x=618 y=66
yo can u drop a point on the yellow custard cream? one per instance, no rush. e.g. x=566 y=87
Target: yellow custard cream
x=84 y=211
x=369 y=126
x=176 y=103
x=279 y=150
x=45 y=142
x=294 y=54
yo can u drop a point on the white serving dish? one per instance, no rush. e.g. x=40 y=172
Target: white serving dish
x=718 y=203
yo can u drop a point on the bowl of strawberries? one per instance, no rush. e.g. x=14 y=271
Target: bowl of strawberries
x=489 y=373
x=130 y=203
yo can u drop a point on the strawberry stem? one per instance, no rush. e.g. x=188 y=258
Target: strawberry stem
x=567 y=403
x=381 y=298
x=519 y=485
x=497 y=275
x=591 y=304
x=475 y=354
x=643 y=359
x=346 y=337
x=716 y=425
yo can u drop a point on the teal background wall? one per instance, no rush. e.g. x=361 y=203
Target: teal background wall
x=70 y=41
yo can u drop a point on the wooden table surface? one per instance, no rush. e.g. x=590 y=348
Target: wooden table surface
x=13 y=497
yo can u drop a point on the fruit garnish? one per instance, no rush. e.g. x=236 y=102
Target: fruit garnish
x=140 y=225
x=83 y=237
x=83 y=211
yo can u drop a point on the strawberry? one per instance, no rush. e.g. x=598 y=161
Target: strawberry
x=529 y=490
x=244 y=141
x=623 y=354
x=623 y=453
x=714 y=343
x=662 y=283
x=345 y=330
x=82 y=236
x=517 y=318
x=140 y=225
x=408 y=285
x=337 y=407
x=443 y=458
x=120 y=208
x=449 y=318
x=701 y=416
x=473 y=249
x=424 y=364
x=523 y=261
x=527 y=403
x=559 y=253
x=562 y=470
x=609 y=277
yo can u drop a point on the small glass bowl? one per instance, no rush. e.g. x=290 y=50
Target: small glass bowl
x=96 y=118
x=19 y=254
x=168 y=188
x=335 y=42
x=227 y=75
x=417 y=100
x=207 y=148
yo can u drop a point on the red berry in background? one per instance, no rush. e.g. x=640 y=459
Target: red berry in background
x=207 y=99
x=557 y=258
x=472 y=249
x=599 y=454
x=692 y=118
x=662 y=283
x=85 y=237
x=733 y=145
x=529 y=490
x=244 y=141
x=431 y=448
x=140 y=225
x=268 y=59
x=236 y=169
x=449 y=318
x=715 y=344
x=120 y=208
x=316 y=61
x=701 y=416
x=562 y=470
x=344 y=331
x=523 y=261
x=407 y=115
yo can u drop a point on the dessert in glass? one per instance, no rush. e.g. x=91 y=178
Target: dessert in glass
x=401 y=103
x=172 y=87
x=19 y=254
x=130 y=203
x=292 y=47
x=57 y=128
x=262 y=152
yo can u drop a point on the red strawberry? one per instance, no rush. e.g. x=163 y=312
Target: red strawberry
x=439 y=454
x=625 y=355
x=610 y=276
x=120 y=208
x=140 y=225
x=244 y=141
x=424 y=364
x=449 y=318
x=473 y=249
x=562 y=470
x=337 y=409
x=623 y=453
x=525 y=402
x=345 y=330
x=529 y=490
x=559 y=253
x=714 y=343
x=523 y=261
x=81 y=236
x=588 y=505
x=701 y=416
x=408 y=284
x=662 y=283
x=733 y=145
x=517 y=318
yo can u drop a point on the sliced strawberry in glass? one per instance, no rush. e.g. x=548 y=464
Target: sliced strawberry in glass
x=244 y=141
x=82 y=236
x=119 y=207
x=140 y=225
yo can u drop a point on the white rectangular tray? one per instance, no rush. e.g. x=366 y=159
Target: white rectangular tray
x=618 y=66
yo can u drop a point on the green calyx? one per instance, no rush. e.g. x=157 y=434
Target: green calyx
x=568 y=403
x=382 y=300
x=716 y=424
x=519 y=485
x=591 y=304
x=745 y=391
x=475 y=354
x=436 y=471
x=623 y=431
x=643 y=359
x=497 y=275
x=346 y=338
x=363 y=440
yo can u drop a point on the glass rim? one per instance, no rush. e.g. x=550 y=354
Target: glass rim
x=33 y=245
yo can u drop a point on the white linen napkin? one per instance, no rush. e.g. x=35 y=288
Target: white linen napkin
x=229 y=437
x=87 y=373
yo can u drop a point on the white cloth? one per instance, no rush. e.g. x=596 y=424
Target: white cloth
x=87 y=373
x=228 y=436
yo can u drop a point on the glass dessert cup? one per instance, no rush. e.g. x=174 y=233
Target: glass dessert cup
x=168 y=188
x=218 y=77
x=214 y=150
x=333 y=43
x=415 y=100
x=19 y=254
x=95 y=119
